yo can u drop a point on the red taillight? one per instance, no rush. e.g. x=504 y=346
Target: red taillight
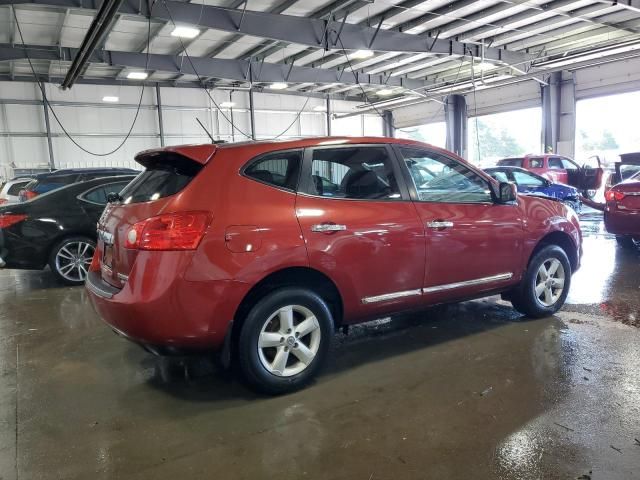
x=173 y=231
x=3 y=200
x=613 y=195
x=9 y=219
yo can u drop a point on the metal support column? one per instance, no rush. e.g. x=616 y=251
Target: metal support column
x=159 y=109
x=52 y=162
x=388 y=130
x=456 y=118
x=551 y=96
x=252 y=115
x=328 y=116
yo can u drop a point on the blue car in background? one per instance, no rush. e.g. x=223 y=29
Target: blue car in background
x=533 y=184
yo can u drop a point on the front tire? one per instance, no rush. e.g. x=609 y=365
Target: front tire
x=70 y=259
x=285 y=340
x=545 y=285
x=626 y=241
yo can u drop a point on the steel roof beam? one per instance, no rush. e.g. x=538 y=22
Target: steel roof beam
x=228 y=69
x=299 y=30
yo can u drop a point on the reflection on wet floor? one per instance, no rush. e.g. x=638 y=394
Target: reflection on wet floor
x=463 y=391
x=608 y=283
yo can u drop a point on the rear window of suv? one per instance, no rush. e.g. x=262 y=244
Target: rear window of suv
x=511 y=162
x=164 y=176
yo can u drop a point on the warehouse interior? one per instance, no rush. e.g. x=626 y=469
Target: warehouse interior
x=461 y=389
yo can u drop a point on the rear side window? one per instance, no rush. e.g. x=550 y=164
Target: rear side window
x=280 y=169
x=499 y=175
x=48 y=184
x=165 y=175
x=556 y=163
x=510 y=162
x=99 y=194
x=536 y=162
x=362 y=173
x=15 y=188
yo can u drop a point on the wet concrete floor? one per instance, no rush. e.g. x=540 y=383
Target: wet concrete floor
x=459 y=392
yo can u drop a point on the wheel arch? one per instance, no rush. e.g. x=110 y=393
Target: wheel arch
x=562 y=240
x=302 y=277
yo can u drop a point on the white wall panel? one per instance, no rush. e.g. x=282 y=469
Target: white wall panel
x=100 y=127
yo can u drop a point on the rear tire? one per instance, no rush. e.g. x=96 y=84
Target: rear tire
x=626 y=241
x=284 y=340
x=545 y=285
x=70 y=259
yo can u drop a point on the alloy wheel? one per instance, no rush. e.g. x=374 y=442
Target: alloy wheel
x=289 y=340
x=73 y=260
x=550 y=282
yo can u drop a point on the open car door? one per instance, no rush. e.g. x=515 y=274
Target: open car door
x=591 y=176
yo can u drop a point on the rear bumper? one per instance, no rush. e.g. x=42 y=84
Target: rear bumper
x=621 y=222
x=162 y=311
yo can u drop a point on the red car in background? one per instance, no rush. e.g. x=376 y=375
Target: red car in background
x=561 y=169
x=261 y=250
x=622 y=211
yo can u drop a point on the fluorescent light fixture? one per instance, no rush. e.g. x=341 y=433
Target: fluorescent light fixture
x=185 y=32
x=319 y=108
x=362 y=54
x=227 y=104
x=278 y=86
x=385 y=91
x=110 y=99
x=137 y=75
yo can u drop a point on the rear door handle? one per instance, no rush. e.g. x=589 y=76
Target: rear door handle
x=440 y=224
x=327 y=227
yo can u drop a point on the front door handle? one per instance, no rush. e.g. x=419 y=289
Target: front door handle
x=327 y=227
x=440 y=224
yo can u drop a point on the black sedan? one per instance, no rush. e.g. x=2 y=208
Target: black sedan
x=57 y=228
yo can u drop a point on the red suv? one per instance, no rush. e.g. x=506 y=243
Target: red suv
x=261 y=250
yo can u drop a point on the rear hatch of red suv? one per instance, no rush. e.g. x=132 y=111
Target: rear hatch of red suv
x=149 y=214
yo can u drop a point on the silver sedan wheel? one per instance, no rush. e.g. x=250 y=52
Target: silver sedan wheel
x=73 y=260
x=289 y=340
x=550 y=282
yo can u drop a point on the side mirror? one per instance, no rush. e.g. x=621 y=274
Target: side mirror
x=113 y=197
x=507 y=192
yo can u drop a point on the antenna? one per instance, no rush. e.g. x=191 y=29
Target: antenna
x=206 y=131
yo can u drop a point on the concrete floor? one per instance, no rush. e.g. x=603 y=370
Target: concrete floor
x=466 y=391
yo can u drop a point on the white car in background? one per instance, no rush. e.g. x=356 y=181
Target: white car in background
x=9 y=193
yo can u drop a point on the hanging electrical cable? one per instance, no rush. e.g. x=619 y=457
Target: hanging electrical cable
x=233 y=126
x=389 y=122
x=53 y=112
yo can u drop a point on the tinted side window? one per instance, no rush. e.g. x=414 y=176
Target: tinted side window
x=15 y=188
x=556 y=163
x=499 y=175
x=525 y=180
x=99 y=195
x=48 y=184
x=362 y=173
x=441 y=179
x=280 y=169
x=536 y=163
x=569 y=165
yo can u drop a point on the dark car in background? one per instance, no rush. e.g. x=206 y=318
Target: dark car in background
x=622 y=211
x=57 y=228
x=530 y=183
x=46 y=182
x=586 y=178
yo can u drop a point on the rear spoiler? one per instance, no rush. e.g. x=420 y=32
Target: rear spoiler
x=198 y=153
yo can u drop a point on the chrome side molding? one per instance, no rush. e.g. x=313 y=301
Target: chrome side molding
x=468 y=283
x=438 y=288
x=391 y=296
